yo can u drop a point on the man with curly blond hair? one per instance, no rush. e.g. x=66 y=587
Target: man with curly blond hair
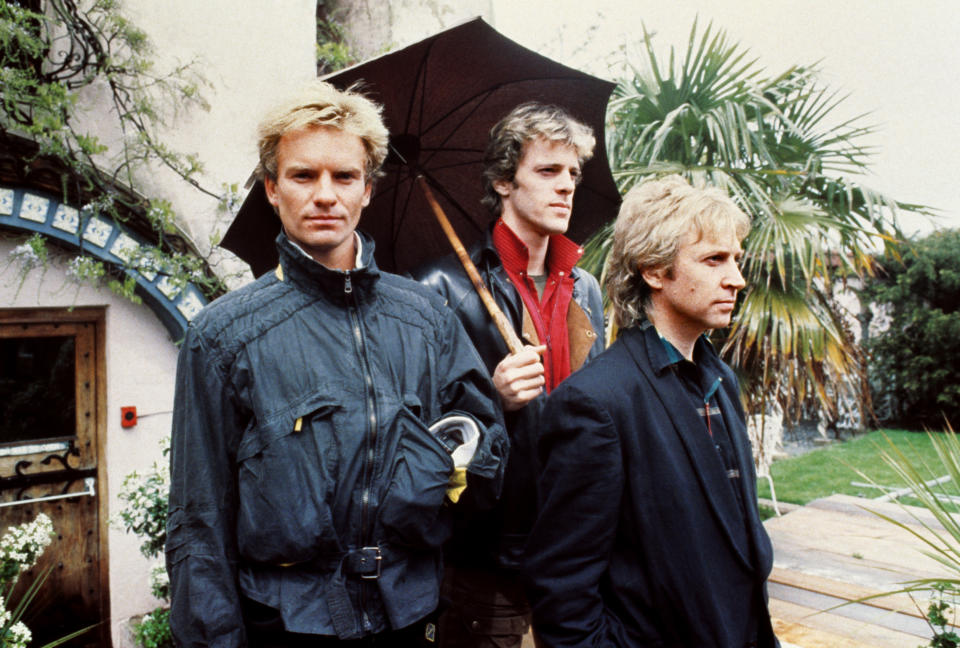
x=648 y=533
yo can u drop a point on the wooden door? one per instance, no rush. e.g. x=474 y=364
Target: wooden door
x=50 y=414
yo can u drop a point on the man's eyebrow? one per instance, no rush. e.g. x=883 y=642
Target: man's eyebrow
x=724 y=251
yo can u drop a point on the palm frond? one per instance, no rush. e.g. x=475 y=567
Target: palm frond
x=713 y=115
x=941 y=538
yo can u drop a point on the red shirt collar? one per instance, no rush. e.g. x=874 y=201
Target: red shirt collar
x=562 y=253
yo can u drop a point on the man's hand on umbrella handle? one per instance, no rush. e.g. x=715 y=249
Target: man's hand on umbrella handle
x=519 y=377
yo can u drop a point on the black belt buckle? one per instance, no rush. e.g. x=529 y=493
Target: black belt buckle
x=369 y=562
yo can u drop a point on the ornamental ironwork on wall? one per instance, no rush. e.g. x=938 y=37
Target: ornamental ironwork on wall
x=30 y=210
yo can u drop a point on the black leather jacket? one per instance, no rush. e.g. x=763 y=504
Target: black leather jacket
x=303 y=473
x=496 y=538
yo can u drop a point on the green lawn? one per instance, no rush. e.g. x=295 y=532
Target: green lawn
x=830 y=470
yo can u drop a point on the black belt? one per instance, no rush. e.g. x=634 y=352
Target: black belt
x=363 y=562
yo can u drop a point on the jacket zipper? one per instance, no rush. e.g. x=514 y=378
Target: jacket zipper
x=370 y=460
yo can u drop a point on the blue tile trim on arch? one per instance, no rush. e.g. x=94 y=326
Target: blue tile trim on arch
x=35 y=211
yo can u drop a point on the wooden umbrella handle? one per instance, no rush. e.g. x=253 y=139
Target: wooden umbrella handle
x=501 y=321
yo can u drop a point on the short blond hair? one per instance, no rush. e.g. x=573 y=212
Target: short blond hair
x=653 y=219
x=320 y=104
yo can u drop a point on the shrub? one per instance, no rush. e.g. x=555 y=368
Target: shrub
x=20 y=547
x=153 y=631
x=914 y=364
x=144 y=513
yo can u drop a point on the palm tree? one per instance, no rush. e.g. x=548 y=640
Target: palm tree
x=716 y=119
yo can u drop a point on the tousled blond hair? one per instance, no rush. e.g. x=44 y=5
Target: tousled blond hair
x=654 y=218
x=320 y=104
x=527 y=122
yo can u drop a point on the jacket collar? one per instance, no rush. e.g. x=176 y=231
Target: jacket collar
x=485 y=255
x=484 y=252
x=643 y=344
x=312 y=277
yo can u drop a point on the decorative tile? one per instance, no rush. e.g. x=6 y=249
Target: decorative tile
x=67 y=219
x=124 y=247
x=190 y=305
x=34 y=208
x=6 y=201
x=148 y=268
x=168 y=288
x=98 y=231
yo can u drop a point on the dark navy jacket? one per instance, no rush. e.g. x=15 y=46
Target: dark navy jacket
x=495 y=538
x=641 y=540
x=303 y=473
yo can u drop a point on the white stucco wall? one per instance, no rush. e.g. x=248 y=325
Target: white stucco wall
x=374 y=26
x=248 y=52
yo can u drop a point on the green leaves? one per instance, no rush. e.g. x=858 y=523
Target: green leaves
x=45 y=60
x=941 y=537
x=713 y=115
x=153 y=631
x=915 y=357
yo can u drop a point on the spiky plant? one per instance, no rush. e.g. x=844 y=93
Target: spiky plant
x=775 y=145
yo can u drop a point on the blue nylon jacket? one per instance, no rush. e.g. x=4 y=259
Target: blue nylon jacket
x=303 y=473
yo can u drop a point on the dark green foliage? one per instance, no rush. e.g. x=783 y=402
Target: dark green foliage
x=47 y=60
x=333 y=51
x=915 y=364
x=944 y=635
x=153 y=631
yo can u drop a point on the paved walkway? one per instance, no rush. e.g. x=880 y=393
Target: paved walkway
x=833 y=551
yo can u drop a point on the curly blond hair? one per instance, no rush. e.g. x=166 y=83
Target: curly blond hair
x=653 y=219
x=526 y=122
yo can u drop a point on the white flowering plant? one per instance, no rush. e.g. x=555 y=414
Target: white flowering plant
x=13 y=634
x=31 y=253
x=85 y=269
x=20 y=547
x=144 y=513
x=145 y=504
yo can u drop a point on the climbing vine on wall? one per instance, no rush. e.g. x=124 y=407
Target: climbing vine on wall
x=57 y=57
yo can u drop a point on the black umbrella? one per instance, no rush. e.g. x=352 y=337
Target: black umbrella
x=441 y=96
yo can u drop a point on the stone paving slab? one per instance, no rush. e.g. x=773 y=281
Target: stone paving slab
x=834 y=551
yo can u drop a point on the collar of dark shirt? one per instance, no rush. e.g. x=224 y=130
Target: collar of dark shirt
x=664 y=354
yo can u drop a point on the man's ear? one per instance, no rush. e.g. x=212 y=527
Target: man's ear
x=367 y=192
x=654 y=277
x=503 y=187
x=270 y=186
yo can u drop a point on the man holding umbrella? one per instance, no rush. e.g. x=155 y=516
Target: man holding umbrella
x=319 y=415
x=533 y=164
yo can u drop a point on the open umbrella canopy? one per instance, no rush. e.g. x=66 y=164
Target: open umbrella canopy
x=441 y=96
